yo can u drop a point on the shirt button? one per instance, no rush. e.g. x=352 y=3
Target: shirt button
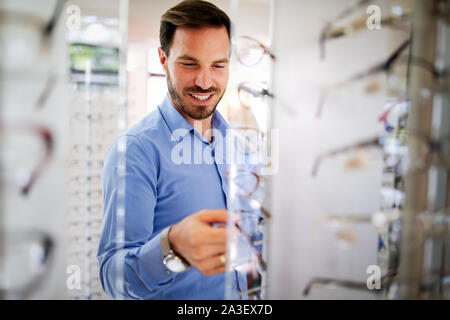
x=167 y=272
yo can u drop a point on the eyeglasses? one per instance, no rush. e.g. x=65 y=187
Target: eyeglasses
x=388 y=127
x=25 y=261
x=355 y=285
x=159 y=75
x=252 y=94
x=250 y=51
x=254 y=282
x=431 y=152
x=331 y=32
x=384 y=66
x=81 y=148
x=83 y=180
x=253 y=245
x=82 y=195
x=324 y=34
x=43 y=134
x=81 y=163
x=94 y=117
x=248 y=141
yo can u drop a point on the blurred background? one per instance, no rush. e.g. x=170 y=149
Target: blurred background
x=345 y=104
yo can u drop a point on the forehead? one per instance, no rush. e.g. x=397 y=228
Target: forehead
x=201 y=43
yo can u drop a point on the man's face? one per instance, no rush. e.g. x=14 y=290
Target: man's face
x=197 y=69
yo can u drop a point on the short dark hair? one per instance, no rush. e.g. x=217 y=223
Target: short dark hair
x=190 y=13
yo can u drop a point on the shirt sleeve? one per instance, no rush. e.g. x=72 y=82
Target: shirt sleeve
x=139 y=258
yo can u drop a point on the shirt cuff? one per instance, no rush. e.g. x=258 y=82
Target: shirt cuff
x=152 y=265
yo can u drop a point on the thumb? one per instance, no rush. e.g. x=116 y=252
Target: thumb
x=213 y=216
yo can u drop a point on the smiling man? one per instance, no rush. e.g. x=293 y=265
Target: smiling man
x=174 y=236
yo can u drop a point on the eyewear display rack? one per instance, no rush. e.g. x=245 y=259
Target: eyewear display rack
x=98 y=116
x=424 y=271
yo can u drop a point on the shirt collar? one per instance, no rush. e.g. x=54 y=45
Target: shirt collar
x=175 y=120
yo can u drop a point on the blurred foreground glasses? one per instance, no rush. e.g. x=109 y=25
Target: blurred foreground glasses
x=431 y=152
x=387 y=67
x=384 y=66
x=250 y=51
x=24 y=261
x=26 y=135
x=385 y=281
x=330 y=31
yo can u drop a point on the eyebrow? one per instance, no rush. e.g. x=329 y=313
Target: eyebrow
x=186 y=57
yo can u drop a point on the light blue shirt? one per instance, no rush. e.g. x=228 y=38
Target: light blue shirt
x=160 y=192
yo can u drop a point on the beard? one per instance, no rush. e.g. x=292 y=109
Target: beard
x=193 y=111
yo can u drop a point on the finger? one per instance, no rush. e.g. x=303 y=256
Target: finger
x=208 y=251
x=210 y=265
x=213 y=216
x=215 y=236
x=215 y=271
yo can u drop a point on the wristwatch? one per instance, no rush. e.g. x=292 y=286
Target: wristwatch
x=172 y=262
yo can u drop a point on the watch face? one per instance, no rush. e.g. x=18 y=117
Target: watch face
x=174 y=264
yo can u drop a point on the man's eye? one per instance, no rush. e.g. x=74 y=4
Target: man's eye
x=188 y=64
x=219 y=66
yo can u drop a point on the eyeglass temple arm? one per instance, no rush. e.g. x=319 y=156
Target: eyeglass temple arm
x=258 y=254
x=360 y=145
x=50 y=26
x=380 y=67
x=328 y=25
x=355 y=285
x=46 y=136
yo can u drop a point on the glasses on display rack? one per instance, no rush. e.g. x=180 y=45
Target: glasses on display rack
x=82 y=195
x=383 y=67
x=83 y=148
x=79 y=181
x=158 y=75
x=385 y=281
x=431 y=152
x=86 y=163
x=330 y=31
x=379 y=219
x=384 y=118
x=80 y=240
x=25 y=178
x=254 y=281
x=80 y=211
x=252 y=95
x=79 y=226
x=250 y=51
x=94 y=117
x=24 y=261
x=386 y=67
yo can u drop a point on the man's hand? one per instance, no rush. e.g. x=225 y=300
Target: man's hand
x=197 y=241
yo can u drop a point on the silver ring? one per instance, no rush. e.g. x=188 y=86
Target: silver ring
x=223 y=259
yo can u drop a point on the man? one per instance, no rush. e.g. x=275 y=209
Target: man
x=174 y=235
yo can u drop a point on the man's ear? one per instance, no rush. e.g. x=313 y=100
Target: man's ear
x=162 y=58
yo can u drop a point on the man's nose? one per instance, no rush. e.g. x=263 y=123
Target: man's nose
x=203 y=79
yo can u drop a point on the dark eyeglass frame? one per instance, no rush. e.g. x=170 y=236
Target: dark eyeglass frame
x=45 y=135
x=384 y=66
x=328 y=26
x=435 y=146
x=349 y=284
x=328 y=32
x=47 y=244
x=248 y=87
